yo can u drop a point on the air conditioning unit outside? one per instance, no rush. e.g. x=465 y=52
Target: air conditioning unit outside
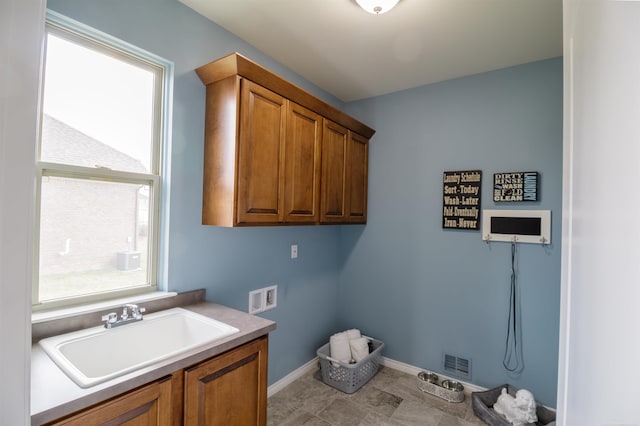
x=128 y=260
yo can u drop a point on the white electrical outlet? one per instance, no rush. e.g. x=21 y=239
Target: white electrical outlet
x=270 y=297
x=294 y=251
x=256 y=301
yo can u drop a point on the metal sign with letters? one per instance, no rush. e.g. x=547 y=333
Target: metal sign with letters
x=461 y=199
x=515 y=186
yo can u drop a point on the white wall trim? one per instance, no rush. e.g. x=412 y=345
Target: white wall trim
x=21 y=29
x=411 y=369
x=292 y=377
x=387 y=362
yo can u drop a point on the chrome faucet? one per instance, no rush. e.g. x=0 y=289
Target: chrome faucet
x=130 y=313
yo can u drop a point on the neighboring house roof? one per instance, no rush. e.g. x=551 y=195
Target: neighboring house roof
x=64 y=144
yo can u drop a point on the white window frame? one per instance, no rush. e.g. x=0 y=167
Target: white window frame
x=158 y=204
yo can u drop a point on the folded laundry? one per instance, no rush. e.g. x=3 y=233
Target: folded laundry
x=339 y=346
x=349 y=346
x=354 y=333
x=359 y=348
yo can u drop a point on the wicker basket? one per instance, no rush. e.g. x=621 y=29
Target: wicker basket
x=348 y=378
x=483 y=407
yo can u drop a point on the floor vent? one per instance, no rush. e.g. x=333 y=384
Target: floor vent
x=457 y=366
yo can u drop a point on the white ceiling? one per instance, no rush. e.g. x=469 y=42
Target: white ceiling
x=354 y=55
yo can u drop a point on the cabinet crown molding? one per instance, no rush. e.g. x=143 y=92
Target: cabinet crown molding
x=237 y=64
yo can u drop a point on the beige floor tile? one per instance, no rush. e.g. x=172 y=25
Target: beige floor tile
x=341 y=412
x=414 y=413
x=303 y=418
x=390 y=398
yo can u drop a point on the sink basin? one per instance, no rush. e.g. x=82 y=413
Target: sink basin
x=97 y=354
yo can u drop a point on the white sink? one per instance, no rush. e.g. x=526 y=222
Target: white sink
x=97 y=354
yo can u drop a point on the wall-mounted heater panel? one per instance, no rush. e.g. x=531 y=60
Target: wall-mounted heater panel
x=521 y=226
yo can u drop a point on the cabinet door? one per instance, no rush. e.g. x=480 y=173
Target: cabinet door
x=335 y=191
x=302 y=164
x=230 y=389
x=358 y=156
x=149 y=405
x=260 y=155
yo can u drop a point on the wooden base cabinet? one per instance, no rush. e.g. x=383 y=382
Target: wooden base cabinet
x=146 y=406
x=229 y=390
x=270 y=158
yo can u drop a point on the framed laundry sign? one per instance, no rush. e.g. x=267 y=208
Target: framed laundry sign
x=461 y=192
x=515 y=186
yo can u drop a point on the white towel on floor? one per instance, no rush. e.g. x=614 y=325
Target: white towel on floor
x=339 y=346
x=359 y=348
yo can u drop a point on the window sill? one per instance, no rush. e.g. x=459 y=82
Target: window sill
x=44 y=316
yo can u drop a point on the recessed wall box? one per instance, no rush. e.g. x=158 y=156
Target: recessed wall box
x=521 y=226
x=256 y=301
x=270 y=297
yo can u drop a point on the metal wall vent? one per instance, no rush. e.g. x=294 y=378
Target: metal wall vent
x=457 y=366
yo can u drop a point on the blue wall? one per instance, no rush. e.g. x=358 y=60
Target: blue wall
x=398 y=276
x=227 y=262
x=425 y=290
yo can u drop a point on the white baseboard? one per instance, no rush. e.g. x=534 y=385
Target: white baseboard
x=413 y=370
x=387 y=362
x=292 y=377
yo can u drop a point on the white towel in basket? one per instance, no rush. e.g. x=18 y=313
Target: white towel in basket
x=339 y=346
x=359 y=348
x=354 y=333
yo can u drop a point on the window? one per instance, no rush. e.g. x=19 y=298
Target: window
x=99 y=167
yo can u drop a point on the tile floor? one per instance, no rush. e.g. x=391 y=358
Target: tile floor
x=391 y=398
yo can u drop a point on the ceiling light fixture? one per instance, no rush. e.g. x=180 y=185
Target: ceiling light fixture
x=377 y=7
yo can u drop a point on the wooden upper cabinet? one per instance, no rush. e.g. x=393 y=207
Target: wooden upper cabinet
x=334 y=173
x=220 y=153
x=344 y=175
x=271 y=158
x=261 y=152
x=302 y=165
x=357 y=178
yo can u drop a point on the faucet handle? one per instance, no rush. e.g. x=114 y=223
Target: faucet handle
x=132 y=310
x=110 y=318
x=138 y=312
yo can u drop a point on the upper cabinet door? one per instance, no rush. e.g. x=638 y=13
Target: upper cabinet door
x=333 y=206
x=302 y=165
x=358 y=155
x=261 y=155
x=344 y=175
